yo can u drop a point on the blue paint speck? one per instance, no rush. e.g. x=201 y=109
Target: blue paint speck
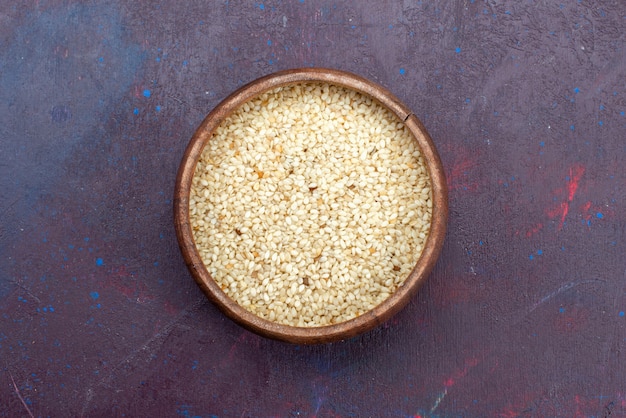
x=542 y=144
x=457 y=50
x=539 y=252
x=572 y=127
x=622 y=113
x=601 y=107
x=621 y=313
x=600 y=123
x=468 y=100
x=101 y=59
x=576 y=90
x=185 y=63
x=301 y=1
x=402 y=71
x=158 y=108
x=135 y=111
x=561 y=310
x=146 y=93
x=158 y=59
x=262 y=6
x=94 y=295
x=531 y=257
x=99 y=262
x=269 y=42
x=599 y=215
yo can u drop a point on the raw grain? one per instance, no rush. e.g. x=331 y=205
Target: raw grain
x=310 y=204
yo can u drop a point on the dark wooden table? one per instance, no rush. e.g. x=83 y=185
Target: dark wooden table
x=522 y=316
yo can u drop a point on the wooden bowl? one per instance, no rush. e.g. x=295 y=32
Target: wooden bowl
x=372 y=318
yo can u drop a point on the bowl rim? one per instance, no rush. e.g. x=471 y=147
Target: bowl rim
x=366 y=321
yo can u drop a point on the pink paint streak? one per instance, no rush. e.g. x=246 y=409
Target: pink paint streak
x=459 y=177
x=531 y=230
x=126 y=283
x=469 y=365
x=575 y=175
x=244 y=338
x=170 y=308
x=572 y=320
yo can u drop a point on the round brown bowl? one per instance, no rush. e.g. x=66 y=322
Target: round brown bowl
x=328 y=333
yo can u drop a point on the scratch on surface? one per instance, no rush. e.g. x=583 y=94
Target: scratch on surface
x=88 y=397
x=10 y=205
x=318 y=405
x=439 y=399
x=549 y=296
x=150 y=346
x=180 y=101
x=19 y=395
x=19 y=284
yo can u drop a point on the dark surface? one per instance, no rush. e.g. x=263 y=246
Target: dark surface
x=523 y=315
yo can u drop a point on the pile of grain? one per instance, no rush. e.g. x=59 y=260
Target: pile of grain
x=310 y=205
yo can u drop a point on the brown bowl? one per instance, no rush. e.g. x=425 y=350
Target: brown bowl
x=370 y=319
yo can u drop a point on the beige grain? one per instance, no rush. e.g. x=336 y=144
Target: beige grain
x=310 y=205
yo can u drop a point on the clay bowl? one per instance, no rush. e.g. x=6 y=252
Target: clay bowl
x=372 y=318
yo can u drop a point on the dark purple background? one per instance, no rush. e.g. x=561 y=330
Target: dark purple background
x=522 y=316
